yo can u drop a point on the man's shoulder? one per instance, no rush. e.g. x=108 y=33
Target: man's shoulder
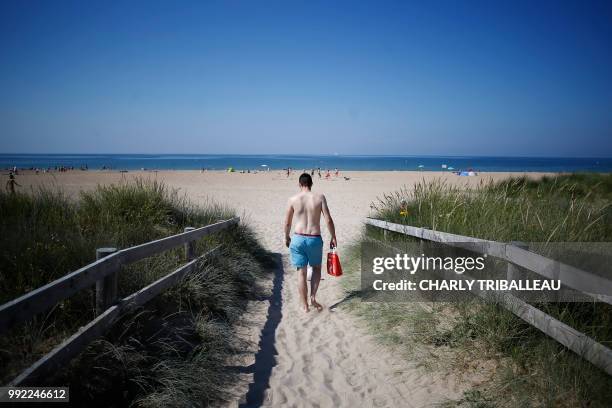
x=319 y=196
x=294 y=197
x=299 y=196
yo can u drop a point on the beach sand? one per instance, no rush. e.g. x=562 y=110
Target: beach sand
x=261 y=198
x=323 y=359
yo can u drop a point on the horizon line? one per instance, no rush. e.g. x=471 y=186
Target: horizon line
x=313 y=155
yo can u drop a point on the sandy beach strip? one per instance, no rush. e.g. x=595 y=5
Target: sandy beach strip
x=261 y=198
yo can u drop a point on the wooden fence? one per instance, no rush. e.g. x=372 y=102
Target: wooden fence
x=103 y=274
x=516 y=255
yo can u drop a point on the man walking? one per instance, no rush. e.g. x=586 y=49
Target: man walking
x=306 y=245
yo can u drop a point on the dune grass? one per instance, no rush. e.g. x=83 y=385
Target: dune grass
x=169 y=353
x=524 y=366
x=563 y=209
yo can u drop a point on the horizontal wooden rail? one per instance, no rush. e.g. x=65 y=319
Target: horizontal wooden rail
x=147 y=293
x=570 y=276
x=581 y=344
x=69 y=348
x=72 y=346
x=589 y=349
x=594 y=285
x=136 y=253
x=45 y=297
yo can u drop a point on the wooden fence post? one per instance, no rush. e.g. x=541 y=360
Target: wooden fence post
x=513 y=273
x=106 y=288
x=423 y=244
x=189 y=246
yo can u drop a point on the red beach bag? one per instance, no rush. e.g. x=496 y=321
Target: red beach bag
x=333 y=263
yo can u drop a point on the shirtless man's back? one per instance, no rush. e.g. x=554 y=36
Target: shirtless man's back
x=306 y=245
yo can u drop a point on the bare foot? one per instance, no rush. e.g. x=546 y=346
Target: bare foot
x=316 y=305
x=305 y=308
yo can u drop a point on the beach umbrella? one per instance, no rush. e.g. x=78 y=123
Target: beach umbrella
x=264 y=165
x=420 y=166
x=444 y=166
x=451 y=168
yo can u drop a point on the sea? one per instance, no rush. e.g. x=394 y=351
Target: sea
x=299 y=162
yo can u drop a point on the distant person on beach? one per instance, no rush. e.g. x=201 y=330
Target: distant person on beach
x=306 y=245
x=11 y=183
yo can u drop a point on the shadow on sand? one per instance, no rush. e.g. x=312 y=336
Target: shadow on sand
x=351 y=295
x=265 y=359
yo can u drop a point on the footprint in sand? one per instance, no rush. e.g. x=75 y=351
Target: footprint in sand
x=307 y=359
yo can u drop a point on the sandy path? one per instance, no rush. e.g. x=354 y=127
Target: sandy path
x=316 y=359
x=326 y=359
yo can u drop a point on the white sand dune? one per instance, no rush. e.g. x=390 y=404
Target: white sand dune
x=319 y=359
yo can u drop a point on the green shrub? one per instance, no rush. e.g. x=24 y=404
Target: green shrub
x=169 y=353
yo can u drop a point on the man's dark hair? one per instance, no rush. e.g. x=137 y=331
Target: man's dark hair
x=305 y=180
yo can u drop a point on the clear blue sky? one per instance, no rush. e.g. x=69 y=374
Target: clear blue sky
x=451 y=78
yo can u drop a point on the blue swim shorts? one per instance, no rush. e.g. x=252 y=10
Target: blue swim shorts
x=306 y=250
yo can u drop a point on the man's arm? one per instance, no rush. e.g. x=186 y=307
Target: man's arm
x=288 y=221
x=330 y=222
